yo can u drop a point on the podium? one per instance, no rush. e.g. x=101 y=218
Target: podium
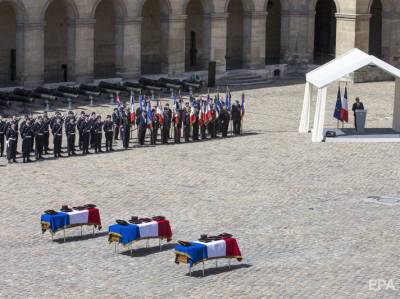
x=361 y=117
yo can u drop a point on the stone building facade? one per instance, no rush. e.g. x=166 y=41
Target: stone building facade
x=80 y=40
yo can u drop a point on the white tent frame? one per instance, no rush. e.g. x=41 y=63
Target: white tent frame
x=334 y=70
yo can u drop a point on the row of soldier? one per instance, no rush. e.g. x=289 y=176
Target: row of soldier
x=89 y=129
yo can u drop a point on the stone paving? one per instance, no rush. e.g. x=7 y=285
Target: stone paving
x=298 y=210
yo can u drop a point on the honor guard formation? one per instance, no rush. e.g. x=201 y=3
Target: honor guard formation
x=192 y=120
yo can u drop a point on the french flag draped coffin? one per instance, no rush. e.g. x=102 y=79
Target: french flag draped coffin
x=127 y=234
x=62 y=220
x=198 y=251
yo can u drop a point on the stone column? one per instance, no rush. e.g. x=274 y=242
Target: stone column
x=84 y=50
x=352 y=32
x=391 y=37
x=19 y=53
x=254 y=27
x=297 y=36
x=33 y=55
x=173 y=44
x=128 y=49
x=217 y=23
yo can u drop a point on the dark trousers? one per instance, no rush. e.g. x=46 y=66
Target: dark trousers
x=211 y=127
x=154 y=133
x=46 y=137
x=116 y=132
x=39 y=146
x=1 y=144
x=109 y=141
x=92 y=138
x=57 y=145
x=97 y=146
x=195 y=132
x=26 y=147
x=11 y=150
x=32 y=145
x=71 y=144
x=224 y=129
x=126 y=135
x=164 y=134
x=85 y=142
x=80 y=140
x=142 y=135
x=177 y=134
x=186 y=133
x=236 y=127
x=203 y=131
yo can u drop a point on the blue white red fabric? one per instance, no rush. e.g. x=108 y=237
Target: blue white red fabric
x=199 y=251
x=63 y=220
x=134 y=232
x=344 y=112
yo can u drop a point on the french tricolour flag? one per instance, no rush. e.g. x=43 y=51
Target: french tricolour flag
x=133 y=111
x=344 y=112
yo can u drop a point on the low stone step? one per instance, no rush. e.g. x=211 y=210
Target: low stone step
x=242 y=77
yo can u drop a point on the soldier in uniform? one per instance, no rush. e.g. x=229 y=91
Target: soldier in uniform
x=169 y=113
x=117 y=122
x=156 y=125
x=126 y=129
x=108 y=131
x=15 y=120
x=178 y=125
x=39 y=136
x=70 y=131
x=12 y=137
x=211 y=126
x=85 y=135
x=186 y=122
x=224 y=119
x=195 y=126
x=80 y=130
x=141 y=123
x=3 y=126
x=46 y=133
x=57 y=136
x=27 y=134
x=166 y=125
x=92 y=121
x=98 y=129
x=236 y=118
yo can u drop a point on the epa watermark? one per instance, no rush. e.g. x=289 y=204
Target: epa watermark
x=377 y=285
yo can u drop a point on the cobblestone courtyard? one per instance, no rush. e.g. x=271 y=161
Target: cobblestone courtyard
x=298 y=210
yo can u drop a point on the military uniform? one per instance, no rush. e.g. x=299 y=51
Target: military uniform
x=86 y=136
x=98 y=130
x=178 y=126
x=117 y=123
x=81 y=119
x=39 y=128
x=27 y=134
x=11 y=137
x=154 y=132
x=46 y=134
x=186 y=124
x=166 y=126
x=236 y=119
x=3 y=126
x=70 y=131
x=142 y=128
x=57 y=137
x=211 y=126
x=224 y=119
x=195 y=126
x=126 y=131
x=108 y=131
x=92 y=121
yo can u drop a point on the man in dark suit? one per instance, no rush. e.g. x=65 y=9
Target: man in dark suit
x=358 y=105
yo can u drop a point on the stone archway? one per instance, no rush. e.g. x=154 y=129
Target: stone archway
x=375 y=29
x=234 y=36
x=59 y=41
x=273 y=32
x=325 y=31
x=8 y=45
x=105 y=40
x=195 y=37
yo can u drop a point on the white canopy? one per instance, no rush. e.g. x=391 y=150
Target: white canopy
x=334 y=70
